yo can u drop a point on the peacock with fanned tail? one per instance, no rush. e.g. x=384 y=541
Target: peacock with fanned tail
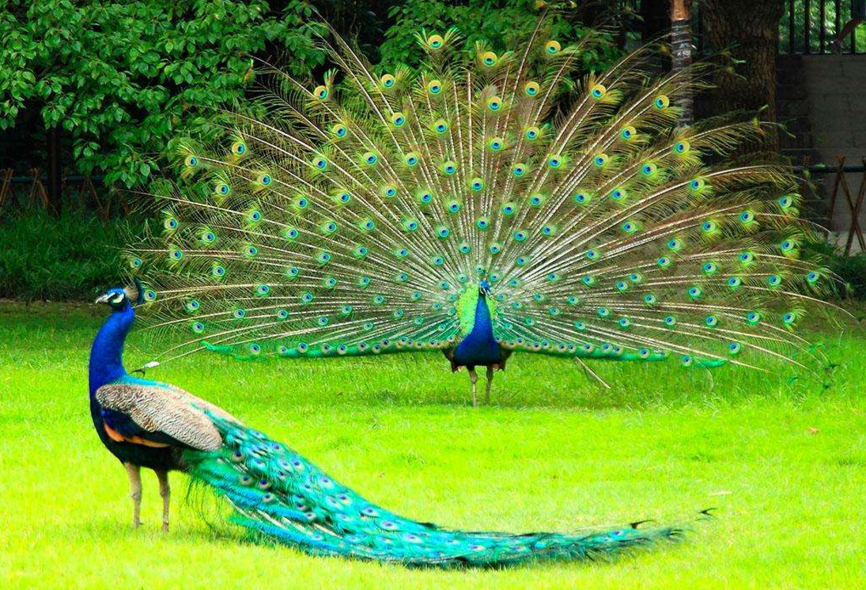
x=482 y=204
x=277 y=493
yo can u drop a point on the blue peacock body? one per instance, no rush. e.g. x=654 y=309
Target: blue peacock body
x=278 y=494
x=388 y=212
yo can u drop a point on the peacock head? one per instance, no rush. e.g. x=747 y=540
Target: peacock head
x=484 y=288
x=120 y=299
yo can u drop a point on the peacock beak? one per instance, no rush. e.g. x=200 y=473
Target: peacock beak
x=103 y=298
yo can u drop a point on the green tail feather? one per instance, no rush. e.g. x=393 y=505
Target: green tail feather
x=281 y=495
x=354 y=218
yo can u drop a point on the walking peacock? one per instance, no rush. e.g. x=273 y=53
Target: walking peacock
x=482 y=204
x=277 y=493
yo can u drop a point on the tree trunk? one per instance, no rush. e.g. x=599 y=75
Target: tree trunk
x=750 y=30
x=681 y=50
x=55 y=173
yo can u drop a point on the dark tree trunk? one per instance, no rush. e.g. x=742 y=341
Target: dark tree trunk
x=55 y=173
x=749 y=29
x=656 y=19
x=681 y=51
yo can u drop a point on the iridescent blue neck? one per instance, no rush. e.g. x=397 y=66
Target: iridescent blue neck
x=106 y=354
x=479 y=346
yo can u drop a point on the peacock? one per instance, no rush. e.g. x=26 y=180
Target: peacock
x=275 y=492
x=481 y=204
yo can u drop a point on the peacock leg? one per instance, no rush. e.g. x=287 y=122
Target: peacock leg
x=134 y=474
x=473 y=377
x=489 y=385
x=165 y=492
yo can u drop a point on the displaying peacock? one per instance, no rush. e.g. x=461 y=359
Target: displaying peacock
x=482 y=204
x=276 y=492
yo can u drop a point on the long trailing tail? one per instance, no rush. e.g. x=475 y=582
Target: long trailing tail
x=278 y=493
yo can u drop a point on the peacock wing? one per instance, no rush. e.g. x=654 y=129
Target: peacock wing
x=143 y=412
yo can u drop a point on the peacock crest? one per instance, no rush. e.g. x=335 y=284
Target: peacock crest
x=359 y=214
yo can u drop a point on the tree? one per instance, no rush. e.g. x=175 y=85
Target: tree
x=749 y=30
x=493 y=21
x=123 y=78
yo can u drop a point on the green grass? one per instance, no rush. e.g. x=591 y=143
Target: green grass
x=783 y=460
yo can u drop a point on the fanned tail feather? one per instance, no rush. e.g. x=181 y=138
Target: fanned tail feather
x=347 y=219
x=281 y=495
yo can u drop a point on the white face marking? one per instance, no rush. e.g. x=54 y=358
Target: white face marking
x=116 y=298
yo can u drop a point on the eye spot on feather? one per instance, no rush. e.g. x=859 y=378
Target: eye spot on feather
x=582 y=197
x=321 y=93
x=398 y=119
x=552 y=47
x=488 y=58
x=682 y=147
x=239 y=148
x=435 y=41
x=598 y=91
x=387 y=81
x=434 y=87
x=191 y=161
x=531 y=89
x=661 y=102
x=494 y=103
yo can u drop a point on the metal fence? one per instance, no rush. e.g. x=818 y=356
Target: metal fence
x=813 y=27
x=29 y=191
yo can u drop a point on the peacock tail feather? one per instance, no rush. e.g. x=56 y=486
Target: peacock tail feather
x=279 y=494
x=359 y=217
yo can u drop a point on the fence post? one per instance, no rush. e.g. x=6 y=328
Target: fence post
x=55 y=174
x=855 y=214
x=6 y=187
x=37 y=190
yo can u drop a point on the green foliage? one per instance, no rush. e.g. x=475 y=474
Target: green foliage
x=499 y=23
x=851 y=269
x=66 y=257
x=122 y=78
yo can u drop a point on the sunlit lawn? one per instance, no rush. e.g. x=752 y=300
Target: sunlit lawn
x=783 y=460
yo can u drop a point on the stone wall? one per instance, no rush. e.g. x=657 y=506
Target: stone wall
x=822 y=102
